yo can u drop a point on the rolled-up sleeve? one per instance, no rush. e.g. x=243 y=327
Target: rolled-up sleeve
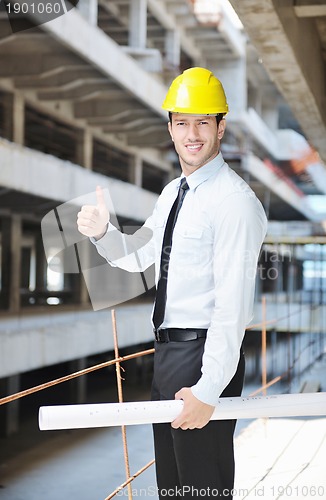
x=239 y=232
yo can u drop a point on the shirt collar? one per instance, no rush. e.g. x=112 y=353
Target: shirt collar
x=203 y=173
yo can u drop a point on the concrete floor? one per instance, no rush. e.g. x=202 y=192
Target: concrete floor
x=83 y=465
x=284 y=458
x=88 y=464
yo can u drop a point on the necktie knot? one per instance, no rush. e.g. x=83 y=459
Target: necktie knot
x=184 y=185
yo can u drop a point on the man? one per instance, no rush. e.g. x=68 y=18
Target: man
x=208 y=228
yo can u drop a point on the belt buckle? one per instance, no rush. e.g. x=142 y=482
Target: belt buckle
x=192 y=335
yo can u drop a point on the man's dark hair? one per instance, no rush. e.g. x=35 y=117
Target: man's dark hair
x=219 y=117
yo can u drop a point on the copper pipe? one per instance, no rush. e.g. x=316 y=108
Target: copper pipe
x=123 y=485
x=66 y=378
x=120 y=397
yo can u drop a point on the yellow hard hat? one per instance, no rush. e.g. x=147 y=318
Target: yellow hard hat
x=196 y=91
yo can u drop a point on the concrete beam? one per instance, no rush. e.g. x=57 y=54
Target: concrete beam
x=79 y=89
x=169 y=22
x=149 y=59
x=21 y=65
x=201 y=33
x=37 y=340
x=111 y=8
x=39 y=174
x=214 y=46
x=310 y=10
x=185 y=21
x=96 y=107
x=88 y=9
x=294 y=62
x=132 y=124
x=94 y=46
x=179 y=8
x=259 y=170
x=62 y=76
x=143 y=131
x=129 y=114
x=152 y=138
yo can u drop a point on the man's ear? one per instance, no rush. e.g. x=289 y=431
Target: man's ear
x=170 y=131
x=221 y=128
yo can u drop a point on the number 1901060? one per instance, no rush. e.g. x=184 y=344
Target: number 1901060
x=35 y=8
x=299 y=491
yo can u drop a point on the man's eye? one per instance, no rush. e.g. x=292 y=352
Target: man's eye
x=203 y=123
x=180 y=123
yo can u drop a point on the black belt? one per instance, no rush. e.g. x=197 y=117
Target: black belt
x=179 y=334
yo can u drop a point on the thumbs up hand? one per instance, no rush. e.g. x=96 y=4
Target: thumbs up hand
x=92 y=220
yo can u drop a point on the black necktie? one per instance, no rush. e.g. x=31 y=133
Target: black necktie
x=160 y=301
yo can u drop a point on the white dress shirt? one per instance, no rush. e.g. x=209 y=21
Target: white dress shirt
x=216 y=243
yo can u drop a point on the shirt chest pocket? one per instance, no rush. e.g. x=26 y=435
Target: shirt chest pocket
x=188 y=243
x=189 y=232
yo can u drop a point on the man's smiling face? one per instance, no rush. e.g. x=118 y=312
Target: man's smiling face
x=196 y=139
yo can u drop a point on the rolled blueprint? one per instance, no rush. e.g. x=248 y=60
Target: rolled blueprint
x=146 y=412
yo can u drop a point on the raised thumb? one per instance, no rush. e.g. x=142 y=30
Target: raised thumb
x=100 y=198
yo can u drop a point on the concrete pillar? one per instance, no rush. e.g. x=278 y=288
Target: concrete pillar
x=233 y=77
x=280 y=270
x=11 y=261
x=89 y=9
x=269 y=110
x=41 y=265
x=9 y=413
x=16 y=237
x=258 y=101
x=18 y=119
x=7 y=116
x=259 y=282
x=267 y=201
x=138 y=171
x=291 y=278
x=255 y=99
x=84 y=253
x=84 y=149
x=138 y=24
x=14 y=118
x=172 y=48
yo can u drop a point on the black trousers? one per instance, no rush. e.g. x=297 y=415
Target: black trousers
x=199 y=462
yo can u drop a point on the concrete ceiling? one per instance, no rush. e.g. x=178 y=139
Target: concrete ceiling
x=290 y=37
x=57 y=71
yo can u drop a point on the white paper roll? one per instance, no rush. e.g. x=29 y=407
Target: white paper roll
x=116 y=414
